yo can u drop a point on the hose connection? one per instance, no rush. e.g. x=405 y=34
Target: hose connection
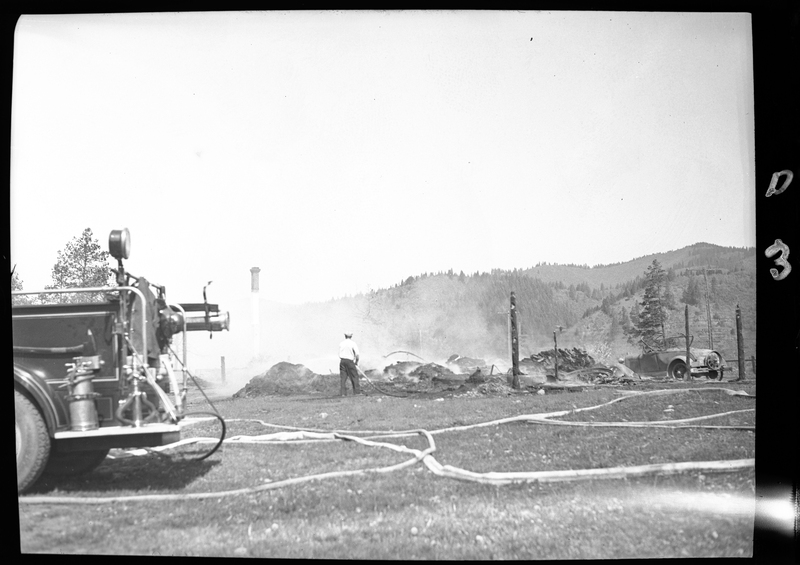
x=137 y=403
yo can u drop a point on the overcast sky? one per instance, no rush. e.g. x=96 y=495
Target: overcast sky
x=344 y=151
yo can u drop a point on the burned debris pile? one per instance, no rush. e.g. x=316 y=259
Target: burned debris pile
x=431 y=372
x=601 y=374
x=458 y=376
x=574 y=366
x=568 y=359
x=399 y=371
x=284 y=379
x=465 y=365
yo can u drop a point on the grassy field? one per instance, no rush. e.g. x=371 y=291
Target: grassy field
x=411 y=513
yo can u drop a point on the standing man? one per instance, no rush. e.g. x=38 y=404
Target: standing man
x=348 y=364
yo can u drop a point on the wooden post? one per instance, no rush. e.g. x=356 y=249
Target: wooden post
x=555 y=342
x=508 y=334
x=222 y=368
x=739 y=344
x=688 y=375
x=514 y=344
x=753 y=361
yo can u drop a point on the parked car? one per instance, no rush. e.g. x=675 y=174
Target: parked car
x=671 y=360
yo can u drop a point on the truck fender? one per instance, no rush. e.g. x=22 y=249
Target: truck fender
x=35 y=387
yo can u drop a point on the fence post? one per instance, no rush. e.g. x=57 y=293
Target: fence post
x=688 y=375
x=222 y=368
x=514 y=344
x=555 y=350
x=739 y=344
x=753 y=361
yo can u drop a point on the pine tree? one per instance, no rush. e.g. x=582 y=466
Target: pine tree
x=82 y=263
x=653 y=313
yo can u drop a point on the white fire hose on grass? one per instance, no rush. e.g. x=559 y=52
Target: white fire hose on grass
x=296 y=435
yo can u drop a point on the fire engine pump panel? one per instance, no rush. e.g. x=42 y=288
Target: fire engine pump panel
x=94 y=375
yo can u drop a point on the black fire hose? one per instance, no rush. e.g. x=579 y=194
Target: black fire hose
x=386 y=392
x=221 y=437
x=215 y=414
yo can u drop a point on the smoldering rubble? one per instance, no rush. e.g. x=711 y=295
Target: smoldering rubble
x=457 y=376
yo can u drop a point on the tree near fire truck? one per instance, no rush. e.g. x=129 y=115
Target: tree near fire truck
x=82 y=263
x=92 y=362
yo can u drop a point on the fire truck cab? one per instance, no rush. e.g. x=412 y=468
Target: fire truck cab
x=98 y=374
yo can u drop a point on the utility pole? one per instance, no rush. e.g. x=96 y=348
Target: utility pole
x=708 y=313
x=514 y=343
x=508 y=334
x=688 y=375
x=740 y=345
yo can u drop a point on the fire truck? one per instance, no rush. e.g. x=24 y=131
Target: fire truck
x=97 y=373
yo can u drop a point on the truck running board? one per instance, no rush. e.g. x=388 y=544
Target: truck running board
x=118 y=436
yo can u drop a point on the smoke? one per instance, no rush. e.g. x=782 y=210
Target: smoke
x=429 y=318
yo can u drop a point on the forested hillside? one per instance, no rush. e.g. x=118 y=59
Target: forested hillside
x=445 y=313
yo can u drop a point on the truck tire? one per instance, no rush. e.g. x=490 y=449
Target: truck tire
x=74 y=463
x=32 y=441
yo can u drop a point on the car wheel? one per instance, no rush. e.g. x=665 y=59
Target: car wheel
x=32 y=441
x=677 y=370
x=74 y=463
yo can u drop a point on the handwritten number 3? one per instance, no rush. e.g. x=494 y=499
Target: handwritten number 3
x=781 y=261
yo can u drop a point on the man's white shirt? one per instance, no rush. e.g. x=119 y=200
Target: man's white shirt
x=348 y=350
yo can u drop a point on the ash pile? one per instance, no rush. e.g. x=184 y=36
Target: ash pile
x=413 y=376
x=465 y=365
x=286 y=379
x=459 y=376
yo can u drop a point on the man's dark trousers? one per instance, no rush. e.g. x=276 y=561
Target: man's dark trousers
x=347 y=368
